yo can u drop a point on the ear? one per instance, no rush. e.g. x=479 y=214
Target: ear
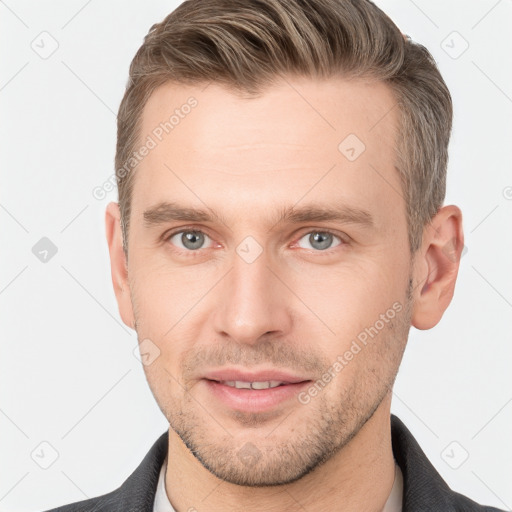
x=118 y=263
x=436 y=265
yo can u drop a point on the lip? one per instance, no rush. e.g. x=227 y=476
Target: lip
x=229 y=374
x=253 y=400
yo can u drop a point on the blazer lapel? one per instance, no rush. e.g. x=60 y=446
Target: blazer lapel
x=137 y=493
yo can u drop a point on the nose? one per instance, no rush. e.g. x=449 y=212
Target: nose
x=252 y=303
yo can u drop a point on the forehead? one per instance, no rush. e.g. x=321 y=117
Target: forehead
x=322 y=138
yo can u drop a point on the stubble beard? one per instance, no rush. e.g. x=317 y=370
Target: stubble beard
x=298 y=443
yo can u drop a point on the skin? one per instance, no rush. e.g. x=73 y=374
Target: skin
x=296 y=306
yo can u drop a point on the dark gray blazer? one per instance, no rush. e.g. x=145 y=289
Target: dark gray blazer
x=424 y=489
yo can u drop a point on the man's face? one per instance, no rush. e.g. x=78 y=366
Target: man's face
x=247 y=296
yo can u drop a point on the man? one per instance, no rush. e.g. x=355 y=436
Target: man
x=281 y=170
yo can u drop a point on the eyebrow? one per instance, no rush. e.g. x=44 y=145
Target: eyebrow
x=165 y=212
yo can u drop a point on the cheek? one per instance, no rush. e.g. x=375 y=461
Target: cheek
x=169 y=310
x=164 y=295
x=163 y=382
x=347 y=299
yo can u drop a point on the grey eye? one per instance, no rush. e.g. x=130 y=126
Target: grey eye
x=190 y=240
x=319 y=240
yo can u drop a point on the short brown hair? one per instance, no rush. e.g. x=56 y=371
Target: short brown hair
x=247 y=44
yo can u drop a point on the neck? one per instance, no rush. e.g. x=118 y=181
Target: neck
x=359 y=476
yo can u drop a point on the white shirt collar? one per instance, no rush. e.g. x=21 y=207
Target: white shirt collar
x=162 y=503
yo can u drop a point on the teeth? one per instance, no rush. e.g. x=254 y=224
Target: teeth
x=239 y=384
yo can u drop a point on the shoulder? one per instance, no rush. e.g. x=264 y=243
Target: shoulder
x=424 y=488
x=464 y=504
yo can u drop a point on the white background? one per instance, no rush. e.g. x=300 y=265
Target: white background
x=68 y=373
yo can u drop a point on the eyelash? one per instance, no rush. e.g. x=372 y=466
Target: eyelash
x=167 y=236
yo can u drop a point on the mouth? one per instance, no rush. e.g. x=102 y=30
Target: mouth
x=240 y=384
x=255 y=394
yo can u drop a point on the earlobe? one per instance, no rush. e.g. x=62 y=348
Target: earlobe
x=436 y=267
x=118 y=264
